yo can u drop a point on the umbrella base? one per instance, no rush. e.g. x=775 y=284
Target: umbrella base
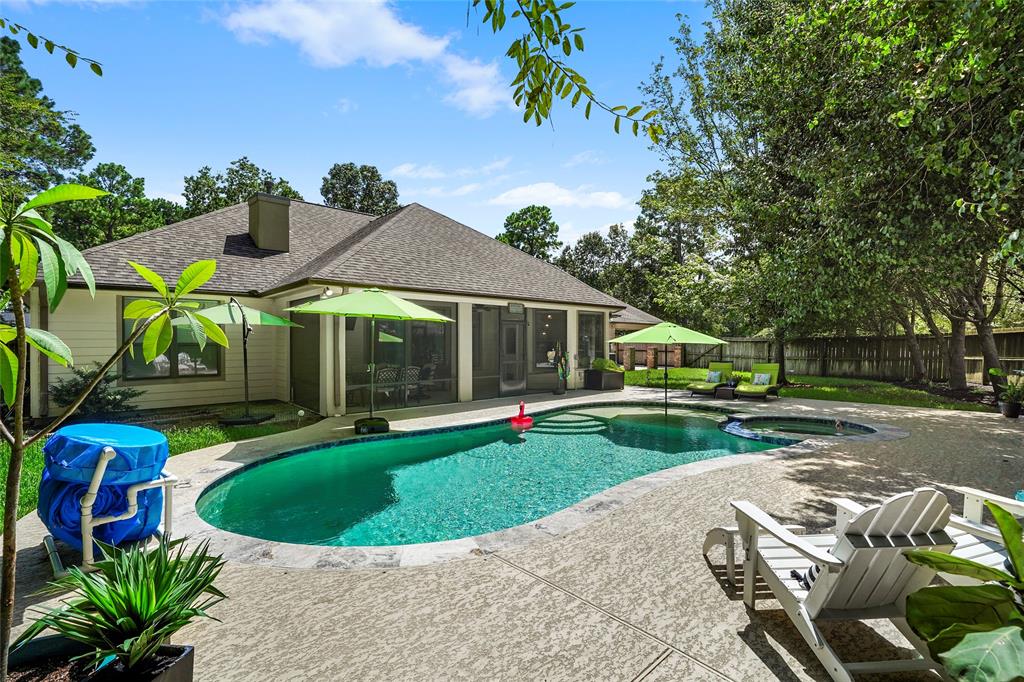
x=372 y=425
x=245 y=420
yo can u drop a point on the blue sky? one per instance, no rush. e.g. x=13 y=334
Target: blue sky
x=409 y=87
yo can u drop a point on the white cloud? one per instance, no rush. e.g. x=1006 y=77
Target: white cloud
x=588 y=157
x=460 y=191
x=550 y=194
x=479 y=88
x=418 y=171
x=429 y=171
x=344 y=105
x=338 y=34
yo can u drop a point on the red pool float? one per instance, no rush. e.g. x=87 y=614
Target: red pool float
x=522 y=421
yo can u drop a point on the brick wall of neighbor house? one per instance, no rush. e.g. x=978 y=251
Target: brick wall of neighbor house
x=90 y=328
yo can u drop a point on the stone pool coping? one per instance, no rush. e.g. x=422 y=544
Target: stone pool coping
x=257 y=551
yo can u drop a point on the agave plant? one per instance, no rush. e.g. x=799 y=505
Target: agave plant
x=134 y=602
x=977 y=631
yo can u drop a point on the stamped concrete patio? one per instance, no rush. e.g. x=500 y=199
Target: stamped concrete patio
x=626 y=597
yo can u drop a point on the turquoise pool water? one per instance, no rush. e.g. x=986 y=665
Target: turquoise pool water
x=443 y=486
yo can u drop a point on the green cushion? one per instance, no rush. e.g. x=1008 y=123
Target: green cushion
x=703 y=386
x=751 y=389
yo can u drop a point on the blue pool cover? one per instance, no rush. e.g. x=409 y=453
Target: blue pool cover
x=70 y=457
x=72 y=453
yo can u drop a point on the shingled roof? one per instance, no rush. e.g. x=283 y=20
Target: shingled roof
x=631 y=315
x=412 y=248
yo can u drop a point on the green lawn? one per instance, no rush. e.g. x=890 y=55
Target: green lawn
x=179 y=439
x=821 y=388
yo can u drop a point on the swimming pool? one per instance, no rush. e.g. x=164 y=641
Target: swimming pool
x=446 y=485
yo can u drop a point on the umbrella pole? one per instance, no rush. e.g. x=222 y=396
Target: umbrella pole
x=373 y=365
x=246 y=330
x=666 y=379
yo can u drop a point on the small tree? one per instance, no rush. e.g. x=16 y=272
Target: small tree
x=106 y=398
x=29 y=241
x=532 y=230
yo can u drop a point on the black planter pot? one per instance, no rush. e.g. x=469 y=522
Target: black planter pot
x=1009 y=410
x=599 y=380
x=178 y=668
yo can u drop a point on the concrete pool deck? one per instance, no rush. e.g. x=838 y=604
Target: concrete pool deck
x=626 y=597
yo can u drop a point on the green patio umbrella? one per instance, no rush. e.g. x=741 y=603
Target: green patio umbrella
x=374 y=304
x=234 y=312
x=667 y=333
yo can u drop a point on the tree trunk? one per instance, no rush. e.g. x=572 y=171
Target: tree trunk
x=10 y=542
x=955 y=364
x=919 y=368
x=780 y=354
x=990 y=354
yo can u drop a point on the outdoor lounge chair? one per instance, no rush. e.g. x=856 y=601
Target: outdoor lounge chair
x=761 y=391
x=709 y=387
x=863 y=573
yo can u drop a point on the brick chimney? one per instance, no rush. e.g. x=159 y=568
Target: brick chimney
x=268 y=221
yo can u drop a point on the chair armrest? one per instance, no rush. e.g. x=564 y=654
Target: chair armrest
x=974 y=500
x=759 y=518
x=979 y=530
x=846 y=509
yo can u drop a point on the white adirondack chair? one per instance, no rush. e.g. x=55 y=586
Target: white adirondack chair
x=863 y=572
x=975 y=539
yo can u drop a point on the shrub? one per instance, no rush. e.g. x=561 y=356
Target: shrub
x=605 y=365
x=107 y=397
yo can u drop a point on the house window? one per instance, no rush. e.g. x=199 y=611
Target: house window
x=182 y=359
x=548 y=335
x=590 y=338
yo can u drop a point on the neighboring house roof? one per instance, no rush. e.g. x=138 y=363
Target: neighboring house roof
x=411 y=248
x=631 y=315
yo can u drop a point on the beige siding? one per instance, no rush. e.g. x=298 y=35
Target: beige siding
x=90 y=327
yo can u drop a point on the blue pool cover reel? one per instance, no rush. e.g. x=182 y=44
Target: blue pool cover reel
x=71 y=454
x=60 y=510
x=70 y=458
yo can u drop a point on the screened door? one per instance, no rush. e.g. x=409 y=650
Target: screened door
x=304 y=358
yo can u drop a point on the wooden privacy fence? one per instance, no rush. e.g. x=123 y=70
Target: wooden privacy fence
x=881 y=357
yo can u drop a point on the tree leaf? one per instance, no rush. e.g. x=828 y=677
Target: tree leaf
x=157 y=338
x=96 y=68
x=947 y=563
x=8 y=374
x=141 y=309
x=71 y=58
x=941 y=615
x=1011 y=531
x=60 y=194
x=993 y=656
x=215 y=333
x=28 y=265
x=196 y=327
x=54 y=276
x=194 y=276
x=155 y=280
x=49 y=345
x=74 y=262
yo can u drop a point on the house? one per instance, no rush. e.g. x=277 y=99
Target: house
x=511 y=311
x=631 y=319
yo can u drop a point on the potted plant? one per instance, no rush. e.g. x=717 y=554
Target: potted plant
x=1011 y=394
x=975 y=631
x=561 y=370
x=117 y=622
x=604 y=375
